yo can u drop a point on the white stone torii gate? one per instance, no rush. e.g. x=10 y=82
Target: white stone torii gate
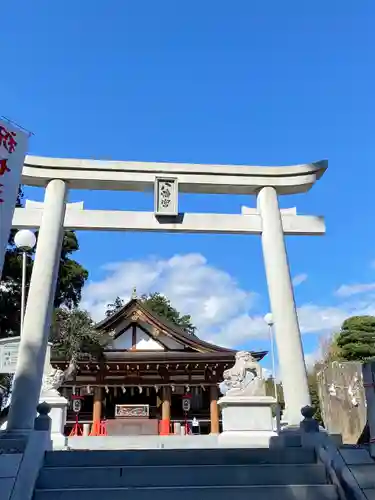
x=54 y=215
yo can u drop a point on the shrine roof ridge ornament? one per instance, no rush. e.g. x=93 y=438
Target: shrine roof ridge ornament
x=192 y=178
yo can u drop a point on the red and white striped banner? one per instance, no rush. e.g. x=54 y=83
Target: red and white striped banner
x=13 y=148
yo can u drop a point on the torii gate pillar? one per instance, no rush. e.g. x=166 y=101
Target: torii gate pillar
x=280 y=289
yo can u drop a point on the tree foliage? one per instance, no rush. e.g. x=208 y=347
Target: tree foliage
x=314 y=395
x=72 y=276
x=114 y=306
x=161 y=306
x=271 y=385
x=10 y=285
x=71 y=279
x=313 y=389
x=5 y=388
x=73 y=332
x=330 y=352
x=356 y=339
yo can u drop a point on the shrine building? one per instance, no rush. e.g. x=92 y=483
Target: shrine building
x=149 y=367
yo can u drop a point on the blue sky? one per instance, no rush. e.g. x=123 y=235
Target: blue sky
x=247 y=82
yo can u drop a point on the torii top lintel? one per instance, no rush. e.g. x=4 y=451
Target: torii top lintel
x=192 y=178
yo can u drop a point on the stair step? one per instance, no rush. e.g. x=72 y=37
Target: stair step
x=193 y=475
x=12 y=444
x=302 y=492
x=180 y=457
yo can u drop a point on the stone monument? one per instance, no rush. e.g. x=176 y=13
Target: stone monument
x=246 y=410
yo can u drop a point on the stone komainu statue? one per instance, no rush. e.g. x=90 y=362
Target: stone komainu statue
x=244 y=378
x=54 y=378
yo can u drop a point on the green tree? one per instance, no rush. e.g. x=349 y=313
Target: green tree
x=330 y=352
x=71 y=279
x=72 y=276
x=160 y=305
x=73 y=332
x=313 y=388
x=356 y=339
x=10 y=285
x=10 y=299
x=314 y=394
x=114 y=307
x=270 y=391
x=5 y=386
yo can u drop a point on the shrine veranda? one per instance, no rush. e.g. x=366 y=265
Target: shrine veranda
x=158 y=362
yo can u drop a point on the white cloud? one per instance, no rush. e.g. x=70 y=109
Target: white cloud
x=299 y=279
x=315 y=318
x=355 y=289
x=218 y=306
x=266 y=372
x=223 y=312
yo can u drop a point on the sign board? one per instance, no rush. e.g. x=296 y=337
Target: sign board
x=9 y=354
x=13 y=148
x=166 y=196
x=132 y=411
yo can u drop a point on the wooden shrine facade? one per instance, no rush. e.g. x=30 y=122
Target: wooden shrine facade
x=148 y=366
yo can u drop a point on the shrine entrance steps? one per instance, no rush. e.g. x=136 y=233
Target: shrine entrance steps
x=205 y=474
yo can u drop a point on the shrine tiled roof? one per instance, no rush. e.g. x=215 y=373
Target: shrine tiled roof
x=136 y=310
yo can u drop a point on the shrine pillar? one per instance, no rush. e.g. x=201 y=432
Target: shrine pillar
x=166 y=403
x=97 y=404
x=39 y=307
x=214 y=409
x=165 y=411
x=283 y=308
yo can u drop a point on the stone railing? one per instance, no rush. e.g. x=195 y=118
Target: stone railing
x=328 y=452
x=22 y=456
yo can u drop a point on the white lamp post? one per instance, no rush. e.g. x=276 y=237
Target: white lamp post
x=24 y=240
x=269 y=320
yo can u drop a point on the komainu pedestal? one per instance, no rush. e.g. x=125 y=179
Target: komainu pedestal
x=53 y=378
x=57 y=414
x=246 y=410
x=247 y=421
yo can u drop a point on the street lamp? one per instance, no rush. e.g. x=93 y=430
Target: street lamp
x=268 y=318
x=24 y=240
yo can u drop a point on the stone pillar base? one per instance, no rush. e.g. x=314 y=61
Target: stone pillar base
x=57 y=414
x=247 y=421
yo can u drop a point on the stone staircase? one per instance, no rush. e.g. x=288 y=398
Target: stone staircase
x=204 y=474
